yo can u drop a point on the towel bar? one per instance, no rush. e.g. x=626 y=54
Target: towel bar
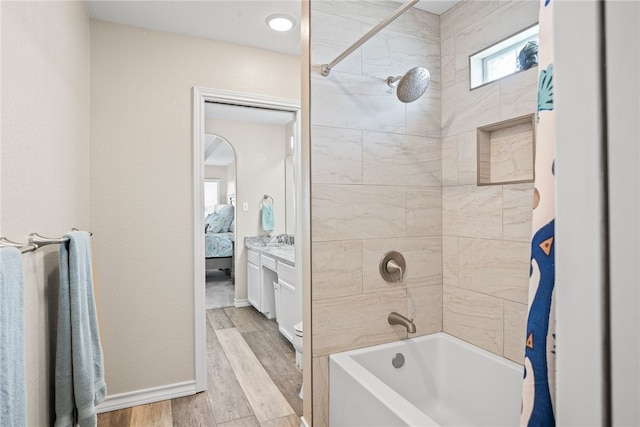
x=38 y=240
x=23 y=247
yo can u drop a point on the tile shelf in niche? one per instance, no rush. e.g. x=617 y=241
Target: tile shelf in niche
x=506 y=151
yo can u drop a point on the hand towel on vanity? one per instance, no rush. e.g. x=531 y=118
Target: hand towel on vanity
x=13 y=398
x=267 y=218
x=79 y=378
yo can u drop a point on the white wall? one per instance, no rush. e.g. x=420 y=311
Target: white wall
x=260 y=158
x=141 y=211
x=44 y=173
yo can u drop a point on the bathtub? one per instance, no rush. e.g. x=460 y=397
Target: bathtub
x=444 y=382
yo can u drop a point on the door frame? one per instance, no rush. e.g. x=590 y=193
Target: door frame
x=200 y=96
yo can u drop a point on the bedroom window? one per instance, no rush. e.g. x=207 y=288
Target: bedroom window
x=211 y=195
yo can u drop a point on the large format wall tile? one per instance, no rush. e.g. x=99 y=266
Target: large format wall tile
x=464 y=110
x=337 y=155
x=320 y=391
x=423 y=256
x=390 y=53
x=346 y=323
x=473 y=317
x=366 y=11
x=333 y=34
x=447 y=61
x=450 y=161
x=349 y=101
x=424 y=114
x=515 y=324
x=519 y=94
x=494 y=267
x=343 y=212
x=467 y=158
x=393 y=159
x=517 y=208
x=464 y=14
x=424 y=211
x=424 y=305
x=420 y=23
x=337 y=269
x=450 y=266
x=472 y=211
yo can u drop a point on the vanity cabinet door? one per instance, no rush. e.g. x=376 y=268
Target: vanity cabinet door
x=253 y=285
x=288 y=309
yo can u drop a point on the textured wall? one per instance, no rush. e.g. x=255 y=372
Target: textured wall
x=375 y=181
x=486 y=230
x=44 y=172
x=141 y=185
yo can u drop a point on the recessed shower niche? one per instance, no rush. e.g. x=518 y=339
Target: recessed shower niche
x=506 y=151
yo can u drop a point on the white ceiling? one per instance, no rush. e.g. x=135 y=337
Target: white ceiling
x=232 y=21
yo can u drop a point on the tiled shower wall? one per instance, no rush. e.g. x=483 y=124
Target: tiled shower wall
x=486 y=230
x=394 y=176
x=376 y=181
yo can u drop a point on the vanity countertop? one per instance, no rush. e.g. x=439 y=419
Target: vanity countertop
x=284 y=253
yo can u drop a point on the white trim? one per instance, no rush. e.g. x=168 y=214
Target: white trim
x=200 y=96
x=303 y=422
x=149 y=395
x=241 y=303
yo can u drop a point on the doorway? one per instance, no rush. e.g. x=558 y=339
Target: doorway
x=202 y=98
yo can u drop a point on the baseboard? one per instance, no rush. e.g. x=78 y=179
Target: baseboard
x=304 y=422
x=149 y=395
x=241 y=303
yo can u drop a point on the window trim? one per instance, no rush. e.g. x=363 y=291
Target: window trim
x=477 y=60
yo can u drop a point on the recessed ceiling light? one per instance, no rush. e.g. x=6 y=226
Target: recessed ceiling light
x=280 y=22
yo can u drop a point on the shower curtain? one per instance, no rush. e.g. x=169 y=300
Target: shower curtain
x=538 y=389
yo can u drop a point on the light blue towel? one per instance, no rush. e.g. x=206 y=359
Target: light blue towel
x=13 y=398
x=267 y=218
x=79 y=362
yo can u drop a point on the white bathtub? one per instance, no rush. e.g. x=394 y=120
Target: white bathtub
x=444 y=382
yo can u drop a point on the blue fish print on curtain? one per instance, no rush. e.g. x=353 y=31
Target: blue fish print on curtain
x=543 y=268
x=545 y=90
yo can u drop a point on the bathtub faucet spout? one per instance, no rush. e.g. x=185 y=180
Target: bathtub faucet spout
x=399 y=319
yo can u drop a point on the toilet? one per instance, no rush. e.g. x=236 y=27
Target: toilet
x=297 y=345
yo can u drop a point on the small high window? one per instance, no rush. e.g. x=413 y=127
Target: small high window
x=516 y=53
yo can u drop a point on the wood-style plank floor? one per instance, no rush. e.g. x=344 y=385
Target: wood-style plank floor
x=252 y=377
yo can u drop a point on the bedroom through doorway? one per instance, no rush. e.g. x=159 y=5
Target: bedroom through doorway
x=219 y=211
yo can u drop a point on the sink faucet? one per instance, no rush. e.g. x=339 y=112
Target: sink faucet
x=399 y=319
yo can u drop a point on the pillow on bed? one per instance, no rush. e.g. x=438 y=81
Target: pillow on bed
x=220 y=222
x=227 y=214
x=232 y=227
x=207 y=220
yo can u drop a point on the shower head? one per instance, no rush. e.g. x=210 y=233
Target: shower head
x=412 y=85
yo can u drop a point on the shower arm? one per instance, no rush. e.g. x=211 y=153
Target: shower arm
x=326 y=68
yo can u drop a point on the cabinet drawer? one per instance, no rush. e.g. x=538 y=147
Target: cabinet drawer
x=287 y=273
x=253 y=257
x=269 y=263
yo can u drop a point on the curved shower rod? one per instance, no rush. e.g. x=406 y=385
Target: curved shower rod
x=326 y=68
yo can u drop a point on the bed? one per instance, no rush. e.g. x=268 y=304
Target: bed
x=219 y=239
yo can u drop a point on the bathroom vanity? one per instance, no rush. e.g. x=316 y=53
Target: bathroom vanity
x=271 y=284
